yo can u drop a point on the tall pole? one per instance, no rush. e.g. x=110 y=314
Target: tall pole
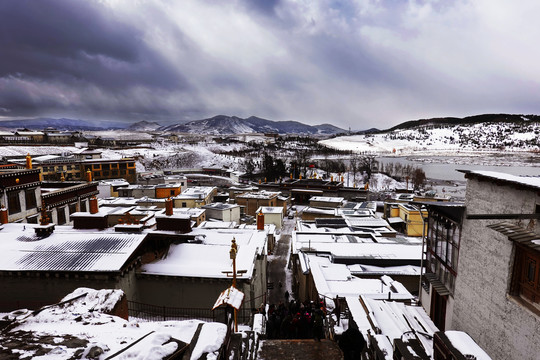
x=232 y=253
x=422 y=255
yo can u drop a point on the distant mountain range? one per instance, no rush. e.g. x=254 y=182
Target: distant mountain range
x=60 y=124
x=223 y=124
x=220 y=124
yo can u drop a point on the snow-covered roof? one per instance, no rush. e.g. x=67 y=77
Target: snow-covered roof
x=196 y=192
x=181 y=213
x=263 y=194
x=30 y=133
x=529 y=181
x=466 y=345
x=367 y=270
x=357 y=247
x=316 y=210
x=114 y=182
x=333 y=280
x=76 y=327
x=327 y=199
x=394 y=320
x=231 y=296
x=367 y=222
x=220 y=206
x=211 y=258
x=270 y=209
x=22 y=250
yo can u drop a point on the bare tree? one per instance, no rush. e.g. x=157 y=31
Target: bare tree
x=418 y=178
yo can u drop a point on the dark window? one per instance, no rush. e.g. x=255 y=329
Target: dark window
x=115 y=172
x=172 y=192
x=531 y=271
x=526 y=278
x=105 y=166
x=131 y=171
x=184 y=204
x=96 y=166
x=83 y=205
x=123 y=166
x=72 y=208
x=61 y=213
x=30 y=198
x=14 y=204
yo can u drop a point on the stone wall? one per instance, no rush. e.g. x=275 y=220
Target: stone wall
x=483 y=308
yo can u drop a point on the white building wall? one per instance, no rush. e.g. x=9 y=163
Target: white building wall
x=276 y=219
x=482 y=306
x=24 y=213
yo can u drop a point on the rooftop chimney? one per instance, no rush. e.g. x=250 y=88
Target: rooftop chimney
x=260 y=221
x=94 y=209
x=3 y=215
x=168 y=207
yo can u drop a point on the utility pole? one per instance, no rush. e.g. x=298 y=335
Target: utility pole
x=232 y=253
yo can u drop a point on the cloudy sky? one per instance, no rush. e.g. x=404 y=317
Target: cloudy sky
x=358 y=64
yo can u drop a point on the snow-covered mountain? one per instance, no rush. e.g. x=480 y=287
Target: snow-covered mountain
x=144 y=126
x=222 y=124
x=521 y=134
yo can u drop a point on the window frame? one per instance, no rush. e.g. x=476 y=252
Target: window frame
x=30 y=194
x=522 y=286
x=14 y=202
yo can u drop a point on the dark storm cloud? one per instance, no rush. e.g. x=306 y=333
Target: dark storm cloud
x=76 y=41
x=72 y=44
x=343 y=62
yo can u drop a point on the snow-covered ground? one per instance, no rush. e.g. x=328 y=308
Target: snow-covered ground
x=444 y=140
x=82 y=328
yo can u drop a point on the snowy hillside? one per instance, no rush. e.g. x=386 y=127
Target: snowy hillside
x=445 y=138
x=144 y=126
x=222 y=124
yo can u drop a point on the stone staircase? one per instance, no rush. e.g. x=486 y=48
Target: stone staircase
x=299 y=349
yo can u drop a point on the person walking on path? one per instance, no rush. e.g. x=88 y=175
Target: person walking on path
x=318 y=323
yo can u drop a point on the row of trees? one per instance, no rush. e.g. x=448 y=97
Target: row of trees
x=359 y=166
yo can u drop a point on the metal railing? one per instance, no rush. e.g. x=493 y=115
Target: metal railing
x=162 y=313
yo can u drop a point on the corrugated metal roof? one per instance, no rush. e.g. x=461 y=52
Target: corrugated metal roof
x=67 y=251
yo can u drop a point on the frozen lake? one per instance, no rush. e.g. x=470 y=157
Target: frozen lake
x=445 y=167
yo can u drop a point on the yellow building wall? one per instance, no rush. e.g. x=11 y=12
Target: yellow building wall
x=414 y=222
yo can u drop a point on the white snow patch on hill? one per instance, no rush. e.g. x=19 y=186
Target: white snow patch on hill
x=444 y=139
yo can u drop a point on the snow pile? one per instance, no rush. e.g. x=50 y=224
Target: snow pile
x=92 y=300
x=80 y=328
x=211 y=337
x=466 y=345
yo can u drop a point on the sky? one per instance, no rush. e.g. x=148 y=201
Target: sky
x=357 y=64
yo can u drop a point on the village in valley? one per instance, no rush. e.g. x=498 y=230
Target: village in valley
x=149 y=245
